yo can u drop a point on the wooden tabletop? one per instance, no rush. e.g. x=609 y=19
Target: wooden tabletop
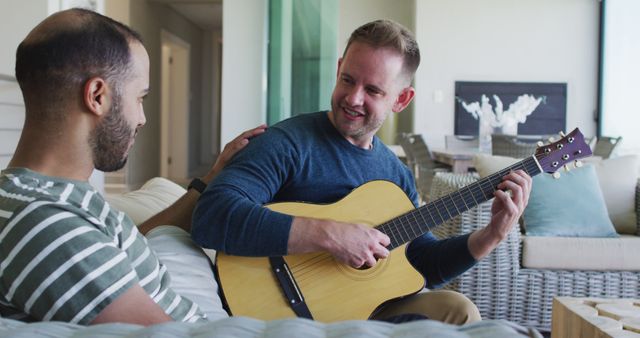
x=460 y=160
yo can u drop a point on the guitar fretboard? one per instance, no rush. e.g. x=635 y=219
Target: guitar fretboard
x=415 y=223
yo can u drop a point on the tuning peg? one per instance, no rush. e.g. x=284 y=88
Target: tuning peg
x=567 y=168
x=556 y=175
x=577 y=163
x=551 y=139
x=540 y=143
x=562 y=133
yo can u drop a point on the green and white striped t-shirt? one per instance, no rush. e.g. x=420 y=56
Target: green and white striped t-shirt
x=65 y=254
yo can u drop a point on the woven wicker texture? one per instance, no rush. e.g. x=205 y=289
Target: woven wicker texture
x=510 y=145
x=502 y=289
x=605 y=146
x=459 y=142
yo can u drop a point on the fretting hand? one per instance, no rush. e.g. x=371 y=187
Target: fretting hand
x=511 y=199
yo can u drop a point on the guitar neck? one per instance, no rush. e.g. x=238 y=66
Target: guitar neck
x=417 y=222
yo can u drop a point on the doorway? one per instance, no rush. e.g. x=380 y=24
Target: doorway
x=174 y=111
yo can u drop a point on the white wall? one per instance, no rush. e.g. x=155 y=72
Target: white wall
x=244 y=65
x=354 y=13
x=505 y=40
x=17 y=19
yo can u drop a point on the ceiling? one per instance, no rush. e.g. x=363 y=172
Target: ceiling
x=206 y=14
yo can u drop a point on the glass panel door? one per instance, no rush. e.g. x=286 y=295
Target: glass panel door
x=302 y=56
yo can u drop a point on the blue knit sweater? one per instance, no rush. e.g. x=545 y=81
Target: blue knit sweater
x=305 y=158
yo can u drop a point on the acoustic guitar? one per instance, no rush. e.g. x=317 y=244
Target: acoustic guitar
x=256 y=287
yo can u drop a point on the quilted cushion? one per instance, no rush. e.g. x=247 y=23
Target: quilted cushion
x=154 y=196
x=242 y=327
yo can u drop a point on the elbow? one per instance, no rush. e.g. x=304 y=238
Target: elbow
x=204 y=231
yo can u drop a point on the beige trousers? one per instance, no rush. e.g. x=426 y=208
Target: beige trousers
x=443 y=305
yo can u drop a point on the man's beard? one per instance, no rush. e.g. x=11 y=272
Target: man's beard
x=369 y=124
x=111 y=138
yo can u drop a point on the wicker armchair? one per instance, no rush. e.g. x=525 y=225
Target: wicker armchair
x=605 y=146
x=461 y=142
x=502 y=289
x=420 y=162
x=514 y=146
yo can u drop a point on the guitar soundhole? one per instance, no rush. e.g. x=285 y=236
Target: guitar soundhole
x=366 y=267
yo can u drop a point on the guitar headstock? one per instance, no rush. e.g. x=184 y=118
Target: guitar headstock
x=569 y=148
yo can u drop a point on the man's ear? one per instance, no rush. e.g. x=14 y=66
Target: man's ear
x=338 y=69
x=403 y=100
x=96 y=95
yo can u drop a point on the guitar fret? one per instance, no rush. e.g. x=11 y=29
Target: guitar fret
x=468 y=187
x=433 y=221
x=414 y=223
x=405 y=230
x=396 y=229
x=466 y=207
x=442 y=219
x=454 y=203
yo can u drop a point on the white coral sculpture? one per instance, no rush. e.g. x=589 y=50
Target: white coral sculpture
x=516 y=113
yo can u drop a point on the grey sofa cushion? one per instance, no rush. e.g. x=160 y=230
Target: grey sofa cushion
x=239 y=327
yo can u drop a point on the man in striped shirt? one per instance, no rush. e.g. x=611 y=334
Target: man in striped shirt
x=64 y=253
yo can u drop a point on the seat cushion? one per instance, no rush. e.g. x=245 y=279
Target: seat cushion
x=618 y=177
x=581 y=253
x=154 y=196
x=189 y=268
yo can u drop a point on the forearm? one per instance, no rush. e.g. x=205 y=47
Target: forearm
x=307 y=235
x=483 y=241
x=440 y=261
x=181 y=211
x=178 y=214
x=225 y=220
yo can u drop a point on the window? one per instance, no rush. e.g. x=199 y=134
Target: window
x=302 y=56
x=620 y=73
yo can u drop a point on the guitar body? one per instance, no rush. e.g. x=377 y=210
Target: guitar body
x=332 y=291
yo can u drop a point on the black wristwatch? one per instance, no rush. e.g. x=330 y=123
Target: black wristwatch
x=198 y=185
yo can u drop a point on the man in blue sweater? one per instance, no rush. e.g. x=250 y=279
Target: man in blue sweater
x=323 y=156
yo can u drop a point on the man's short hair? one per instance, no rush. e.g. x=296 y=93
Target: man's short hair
x=389 y=34
x=52 y=66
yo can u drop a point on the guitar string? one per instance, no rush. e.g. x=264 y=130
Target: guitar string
x=472 y=189
x=299 y=268
x=456 y=198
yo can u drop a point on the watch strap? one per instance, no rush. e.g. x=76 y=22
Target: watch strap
x=198 y=185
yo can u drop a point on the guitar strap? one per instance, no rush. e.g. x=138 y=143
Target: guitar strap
x=289 y=286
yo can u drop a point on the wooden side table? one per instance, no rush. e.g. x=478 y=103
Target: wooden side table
x=595 y=318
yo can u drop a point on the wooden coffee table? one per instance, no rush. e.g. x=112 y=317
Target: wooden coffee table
x=595 y=318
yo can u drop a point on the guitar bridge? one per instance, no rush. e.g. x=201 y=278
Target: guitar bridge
x=289 y=287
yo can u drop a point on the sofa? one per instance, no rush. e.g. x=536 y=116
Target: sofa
x=192 y=276
x=519 y=280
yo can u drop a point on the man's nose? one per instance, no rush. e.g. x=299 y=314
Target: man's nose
x=355 y=96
